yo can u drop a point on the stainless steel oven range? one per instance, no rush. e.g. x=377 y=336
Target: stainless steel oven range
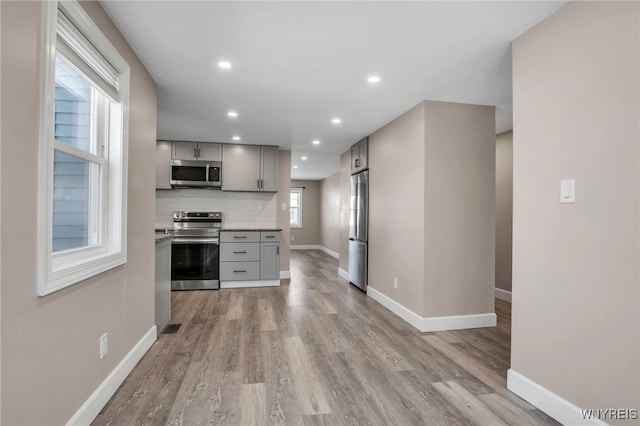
x=195 y=249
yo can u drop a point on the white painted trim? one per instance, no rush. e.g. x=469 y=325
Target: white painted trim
x=552 y=404
x=316 y=247
x=503 y=294
x=330 y=252
x=343 y=274
x=454 y=322
x=99 y=398
x=245 y=284
x=306 y=247
x=285 y=275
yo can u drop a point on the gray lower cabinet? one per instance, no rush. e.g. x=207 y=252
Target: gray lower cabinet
x=249 y=255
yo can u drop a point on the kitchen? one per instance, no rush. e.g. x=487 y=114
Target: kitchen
x=51 y=334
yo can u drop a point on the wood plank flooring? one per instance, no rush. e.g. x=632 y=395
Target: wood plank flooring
x=316 y=351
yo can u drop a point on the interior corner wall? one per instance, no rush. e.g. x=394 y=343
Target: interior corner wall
x=397 y=209
x=330 y=213
x=576 y=90
x=459 y=211
x=283 y=198
x=504 y=209
x=50 y=351
x=309 y=234
x=345 y=194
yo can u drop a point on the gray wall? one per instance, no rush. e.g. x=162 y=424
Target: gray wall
x=309 y=234
x=459 y=209
x=330 y=212
x=345 y=194
x=282 y=216
x=576 y=323
x=504 y=208
x=432 y=209
x=397 y=209
x=50 y=363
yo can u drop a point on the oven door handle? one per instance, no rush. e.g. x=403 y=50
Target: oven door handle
x=195 y=241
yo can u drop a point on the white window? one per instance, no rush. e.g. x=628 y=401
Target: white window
x=83 y=151
x=296 y=208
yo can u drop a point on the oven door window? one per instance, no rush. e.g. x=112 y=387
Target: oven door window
x=194 y=261
x=189 y=173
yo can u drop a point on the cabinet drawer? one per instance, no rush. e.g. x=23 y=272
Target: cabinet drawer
x=239 y=271
x=240 y=237
x=268 y=236
x=239 y=252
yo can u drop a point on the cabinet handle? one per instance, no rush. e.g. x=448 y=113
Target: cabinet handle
x=239 y=252
x=278 y=250
x=269 y=236
x=241 y=271
x=357 y=162
x=258 y=183
x=239 y=236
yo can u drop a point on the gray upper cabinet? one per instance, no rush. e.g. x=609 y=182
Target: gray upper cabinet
x=249 y=168
x=360 y=156
x=163 y=165
x=269 y=168
x=205 y=151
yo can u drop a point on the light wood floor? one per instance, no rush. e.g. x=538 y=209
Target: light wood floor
x=316 y=351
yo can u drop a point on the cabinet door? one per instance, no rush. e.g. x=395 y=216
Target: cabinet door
x=184 y=150
x=269 y=261
x=163 y=165
x=240 y=167
x=364 y=153
x=209 y=151
x=355 y=158
x=269 y=169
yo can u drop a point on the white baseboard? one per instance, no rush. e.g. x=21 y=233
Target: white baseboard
x=246 y=284
x=547 y=401
x=99 y=398
x=330 y=252
x=343 y=274
x=503 y=294
x=316 y=247
x=285 y=275
x=454 y=322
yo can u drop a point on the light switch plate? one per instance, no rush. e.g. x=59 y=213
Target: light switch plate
x=284 y=207
x=568 y=191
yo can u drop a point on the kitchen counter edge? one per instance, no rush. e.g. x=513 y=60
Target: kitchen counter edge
x=163 y=237
x=251 y=230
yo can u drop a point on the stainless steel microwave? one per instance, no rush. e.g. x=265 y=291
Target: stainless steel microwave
x=190 y=173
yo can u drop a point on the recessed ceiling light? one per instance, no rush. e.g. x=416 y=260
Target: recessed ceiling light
x=303 y=158
x=232 y=114
x=316 y=142
x=373 y=79
x=236 y=138
x=295 y=167
x=224 y=64
x=336 y=121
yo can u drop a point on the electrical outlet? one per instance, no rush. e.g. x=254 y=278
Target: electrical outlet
x=395 y=282
x=104 y=345
x=284 y=207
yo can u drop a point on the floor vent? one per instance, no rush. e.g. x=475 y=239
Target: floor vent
x=171 y=329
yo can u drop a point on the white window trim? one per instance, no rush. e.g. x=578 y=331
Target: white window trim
x=299 y=190
x=60 y=270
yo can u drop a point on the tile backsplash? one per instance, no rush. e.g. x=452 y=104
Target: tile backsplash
x=239 y=209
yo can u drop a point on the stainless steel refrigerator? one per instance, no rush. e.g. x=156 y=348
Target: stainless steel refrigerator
x=359 y=229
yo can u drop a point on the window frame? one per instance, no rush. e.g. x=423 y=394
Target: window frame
x=299 y=224
x=59 y=270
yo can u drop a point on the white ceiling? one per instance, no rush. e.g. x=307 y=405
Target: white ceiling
x=296 y=65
